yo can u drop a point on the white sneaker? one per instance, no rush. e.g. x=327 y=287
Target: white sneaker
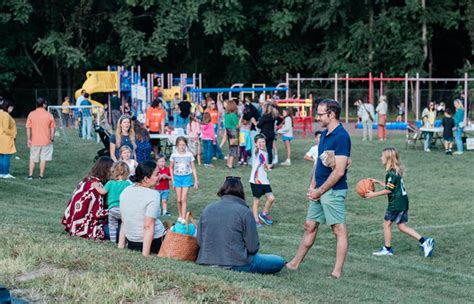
x=428 y=247
x=2 y=175
x=427 y=150
x=286 y=163
x=383 y=251
x=179 y=220
x=9 y=176
x=458 y=153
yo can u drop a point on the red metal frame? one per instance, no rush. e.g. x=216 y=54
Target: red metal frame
x=300 y=123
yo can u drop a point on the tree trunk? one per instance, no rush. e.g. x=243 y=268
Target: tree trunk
x=59 y=82
x=430 y=72
x=371 y=30
x=424 y=33
x=69 y=84
x=413 y=98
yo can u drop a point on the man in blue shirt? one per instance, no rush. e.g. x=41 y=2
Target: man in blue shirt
x=328 y=188
x=86 y=118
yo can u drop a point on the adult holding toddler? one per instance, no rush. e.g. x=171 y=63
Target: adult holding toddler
x=86 y=213
x=140 y=209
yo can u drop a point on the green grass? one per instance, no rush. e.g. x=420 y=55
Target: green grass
x=39 y=262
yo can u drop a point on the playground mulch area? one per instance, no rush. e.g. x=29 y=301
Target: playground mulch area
x=40 y=262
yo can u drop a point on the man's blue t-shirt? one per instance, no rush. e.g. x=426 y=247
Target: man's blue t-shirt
x=86 y=112
x=338 y=141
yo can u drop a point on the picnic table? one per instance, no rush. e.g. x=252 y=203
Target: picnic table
x=170 y=141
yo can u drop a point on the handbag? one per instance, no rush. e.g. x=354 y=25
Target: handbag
x=180 y=246
x=233 y=141
x=382 y=120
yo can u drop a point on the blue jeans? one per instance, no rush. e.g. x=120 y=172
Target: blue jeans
x=427 y=143
x=5 y=163
x=458 y=139
x=263 y=263
x=208 y=151
x=182 y=123
x=86 y=127
x=217 y=148
x=175 y=120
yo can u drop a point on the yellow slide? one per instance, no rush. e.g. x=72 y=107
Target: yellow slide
x=99 y=82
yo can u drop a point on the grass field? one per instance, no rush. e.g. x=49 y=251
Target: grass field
x=39 y=262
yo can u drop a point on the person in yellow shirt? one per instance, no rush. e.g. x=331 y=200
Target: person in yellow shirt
x=66 y=113
x=7 y=137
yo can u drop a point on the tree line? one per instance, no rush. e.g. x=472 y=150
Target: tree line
x=53 y=43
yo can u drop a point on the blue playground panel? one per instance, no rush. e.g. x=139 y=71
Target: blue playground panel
x=398 y=125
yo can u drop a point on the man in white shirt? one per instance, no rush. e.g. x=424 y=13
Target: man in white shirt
x=365 y=111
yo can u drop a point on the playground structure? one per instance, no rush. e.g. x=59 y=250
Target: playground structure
x=129 y=85
x=303 y=118
x=406 y=81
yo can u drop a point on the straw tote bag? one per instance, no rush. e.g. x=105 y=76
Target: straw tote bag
x=180 y=246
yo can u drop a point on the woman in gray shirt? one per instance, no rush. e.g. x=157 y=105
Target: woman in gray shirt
x=227 y=234
x=140 y=208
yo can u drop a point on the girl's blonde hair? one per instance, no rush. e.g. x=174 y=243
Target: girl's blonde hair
x=123 y=148
x=392 y=160
x=119 y=170
x=118 y=131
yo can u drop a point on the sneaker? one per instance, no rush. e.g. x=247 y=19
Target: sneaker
x=9 y=176
x=30 y=177
x=275 y=160
x=383 y=251
x=179 y=220
x=259 y=225
x=458 y=153
x=286 y=163
x=214 y=158
x=41 y=177
x=166 y=213
x=428 y=247
x=266 y=219
x=427 y=150
x=2 y=175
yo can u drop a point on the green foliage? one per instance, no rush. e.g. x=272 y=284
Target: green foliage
x=259 y=40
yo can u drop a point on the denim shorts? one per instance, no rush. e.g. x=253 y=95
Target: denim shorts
x=397 y=217
x=183 y=181
x=164 y=194
x=286 y=138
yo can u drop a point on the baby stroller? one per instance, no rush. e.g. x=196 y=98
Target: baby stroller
x=105 y=139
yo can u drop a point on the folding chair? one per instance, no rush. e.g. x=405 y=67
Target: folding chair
x=413 y=135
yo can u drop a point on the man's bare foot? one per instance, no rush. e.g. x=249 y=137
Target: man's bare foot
x=291 y=266
x=334 y=275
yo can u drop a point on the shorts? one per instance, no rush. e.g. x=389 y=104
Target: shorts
x=233 y=149
x=164 y=195
x=183 y=181
x=448 y=139
x=329 y=209
x=41 y=153
x=397 y=217
x=286 y=138
x=155 y=141
x=260 y=190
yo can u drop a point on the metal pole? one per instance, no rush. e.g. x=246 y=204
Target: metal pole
x=298 y=86
x=465 y=98
x=335 y=86
x=139 y=72
x=347 y=98
x=371 y=96
x=406 y=98
x=381 y=83
x=109 y=118
x=288 y=85
x=417 y=95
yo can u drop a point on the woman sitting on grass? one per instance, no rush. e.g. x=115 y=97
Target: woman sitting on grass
x=140 y=207
x=227 y=234
x=86 y=213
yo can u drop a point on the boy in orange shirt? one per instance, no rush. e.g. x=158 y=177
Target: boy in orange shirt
x=155 y=122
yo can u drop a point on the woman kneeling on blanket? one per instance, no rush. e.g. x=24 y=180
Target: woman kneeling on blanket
x=227 y=234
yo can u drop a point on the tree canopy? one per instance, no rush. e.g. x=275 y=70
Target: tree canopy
x=53 y=43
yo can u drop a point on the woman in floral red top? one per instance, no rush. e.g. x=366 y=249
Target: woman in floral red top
x=86 y=213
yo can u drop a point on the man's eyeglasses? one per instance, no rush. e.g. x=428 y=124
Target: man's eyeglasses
x=321 y=114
